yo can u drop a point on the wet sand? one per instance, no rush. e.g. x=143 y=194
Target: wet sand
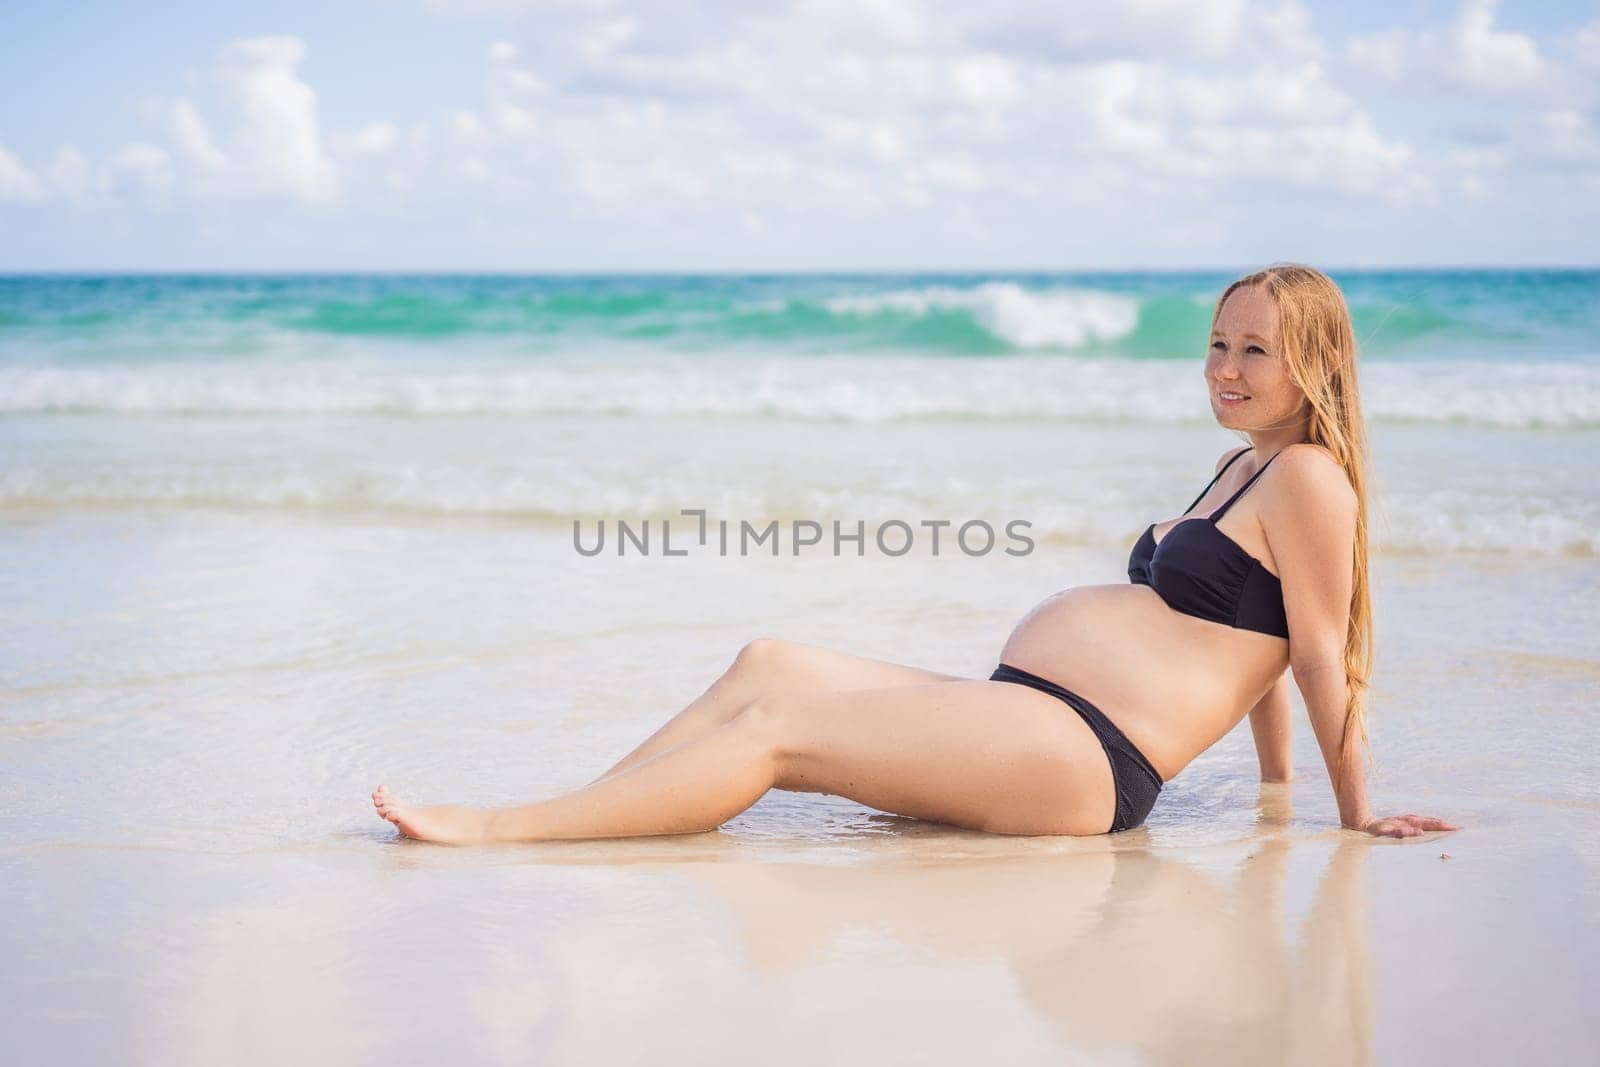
x=194 y=706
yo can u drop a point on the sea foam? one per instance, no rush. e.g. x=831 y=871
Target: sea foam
x=845 y=388
x=1026 y=318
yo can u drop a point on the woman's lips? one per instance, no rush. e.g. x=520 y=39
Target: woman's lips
x=1229 y=401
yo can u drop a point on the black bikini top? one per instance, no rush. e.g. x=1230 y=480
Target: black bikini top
x=1201 y=571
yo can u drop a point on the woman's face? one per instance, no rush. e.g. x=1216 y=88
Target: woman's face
x=1245 y=375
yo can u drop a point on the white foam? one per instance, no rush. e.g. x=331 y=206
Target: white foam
x=847 y=388
x=1093 y=511
x=1026 y=318
x=1485 y=393
x=1442 y=520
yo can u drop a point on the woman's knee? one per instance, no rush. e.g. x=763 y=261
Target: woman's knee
x=755 y=669
x=761 y=656
x=765 y=719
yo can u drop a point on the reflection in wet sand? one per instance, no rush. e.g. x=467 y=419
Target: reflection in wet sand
x=1113 y=948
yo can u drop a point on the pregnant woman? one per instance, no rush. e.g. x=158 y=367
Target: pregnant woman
x=1103 y=693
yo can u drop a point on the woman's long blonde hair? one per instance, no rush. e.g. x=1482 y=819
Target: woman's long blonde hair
x=1319 y=352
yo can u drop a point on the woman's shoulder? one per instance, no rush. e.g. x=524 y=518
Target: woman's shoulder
x=1311 y=460
x=1310 y=478
x=1229 y=456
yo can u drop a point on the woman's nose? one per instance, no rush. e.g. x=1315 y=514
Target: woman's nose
x=1225 y=366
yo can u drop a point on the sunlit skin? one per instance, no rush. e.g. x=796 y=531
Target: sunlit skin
x=1001 y=757
x=1243 y=358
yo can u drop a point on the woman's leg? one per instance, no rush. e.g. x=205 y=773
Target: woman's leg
x=979 y=754
x=771 y=665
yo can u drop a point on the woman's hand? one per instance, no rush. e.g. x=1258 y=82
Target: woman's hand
x=1407 y=825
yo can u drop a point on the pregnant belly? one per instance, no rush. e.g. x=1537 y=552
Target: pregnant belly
x=1173 y=683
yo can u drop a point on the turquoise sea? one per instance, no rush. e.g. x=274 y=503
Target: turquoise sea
x=444 y=395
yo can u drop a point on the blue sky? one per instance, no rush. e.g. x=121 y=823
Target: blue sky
x=576 y=135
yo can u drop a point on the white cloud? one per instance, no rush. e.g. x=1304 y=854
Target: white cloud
x=879 y=139
x=189 y=132
x=986 y=79
x=512 y=94
x=768 y=163
x=70 y=174
x=955 y=172
x=845 y=190
x=1588 y=39
x=1290 y=127
x=601 y=181
x=18 y=184
x=902 y=105
x=514 y=119
x=897 y=21
x=630 y=114
x=276 y=144
x=71 y=177
x=1543 y=121
x=1559 y=139
x=1469 y=56
x=502 y=8
x=1130 y=29
x=376 y=137
x=271 y=145
x=594 y=43
x=147 y=165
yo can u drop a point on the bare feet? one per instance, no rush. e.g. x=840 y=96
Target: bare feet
x=446 y=824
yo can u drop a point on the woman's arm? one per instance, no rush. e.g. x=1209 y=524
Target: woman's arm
x=1322 y=683
x=1270 y=724
x=1270 y=719
x=1311 y=514
x=1310 y=522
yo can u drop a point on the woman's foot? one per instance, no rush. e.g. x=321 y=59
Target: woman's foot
x=446 y=824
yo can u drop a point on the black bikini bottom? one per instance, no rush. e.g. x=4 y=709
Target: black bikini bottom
x=1136 y=781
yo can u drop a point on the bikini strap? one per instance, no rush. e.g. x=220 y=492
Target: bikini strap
x=1215 y=478
x=1215 y=515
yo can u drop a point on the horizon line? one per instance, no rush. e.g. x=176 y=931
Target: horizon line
x=765 y=272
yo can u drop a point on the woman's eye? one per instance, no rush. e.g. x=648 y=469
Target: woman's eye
x=1254 y=348
x=1217 y=344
